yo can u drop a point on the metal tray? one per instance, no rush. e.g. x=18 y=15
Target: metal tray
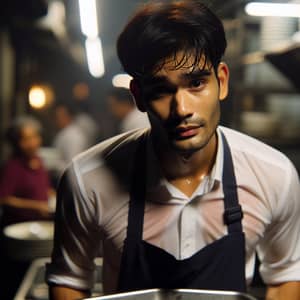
x=180 y=294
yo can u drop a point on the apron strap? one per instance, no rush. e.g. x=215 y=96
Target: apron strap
x=137 y=192
x=135 y=215
x=233 y=213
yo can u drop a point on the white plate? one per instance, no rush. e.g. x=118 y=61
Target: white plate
x=37 y=230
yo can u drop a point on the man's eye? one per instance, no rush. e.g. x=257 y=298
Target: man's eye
x=196 y=83
x=155 y=95
x=159 y=92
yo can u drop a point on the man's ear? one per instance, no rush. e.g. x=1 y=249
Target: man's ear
x=223 y=77
x=137 y=95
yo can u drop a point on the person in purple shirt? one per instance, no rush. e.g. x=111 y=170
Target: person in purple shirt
x=24 y=182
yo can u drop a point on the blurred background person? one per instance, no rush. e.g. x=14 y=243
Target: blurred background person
x=72 y=137
x=24 y=183
x=122 y=106
x=89 y=126
x=25 y=194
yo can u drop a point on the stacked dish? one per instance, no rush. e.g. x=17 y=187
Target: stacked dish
x=29 y=240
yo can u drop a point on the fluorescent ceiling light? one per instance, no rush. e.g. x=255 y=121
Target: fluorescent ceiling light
x=273 y=9
x=94 y=54
x=88 y=18
x=121 y=80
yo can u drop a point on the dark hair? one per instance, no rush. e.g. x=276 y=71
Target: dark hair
x=160 y=30
x=13 y=133
x=70 y=108
x=121 y=95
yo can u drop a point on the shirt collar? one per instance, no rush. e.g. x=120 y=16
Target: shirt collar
x=217 y=170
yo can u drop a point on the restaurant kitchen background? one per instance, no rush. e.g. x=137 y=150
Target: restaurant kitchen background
x=54 y=52
x=46 y=53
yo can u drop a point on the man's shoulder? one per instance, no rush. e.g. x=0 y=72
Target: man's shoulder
x=254 y=149
x=117 y=149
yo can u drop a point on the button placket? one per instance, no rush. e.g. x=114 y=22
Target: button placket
x=187 y=227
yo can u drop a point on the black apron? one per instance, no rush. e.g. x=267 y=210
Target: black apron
x=218 y=266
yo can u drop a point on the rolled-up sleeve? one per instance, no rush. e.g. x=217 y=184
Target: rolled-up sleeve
x=77 y=237
x=279 y=250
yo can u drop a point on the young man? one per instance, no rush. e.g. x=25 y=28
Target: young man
x=187 y=203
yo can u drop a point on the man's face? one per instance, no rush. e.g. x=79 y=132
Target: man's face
x=183 y=104
x=30 y=141
x=62 y=117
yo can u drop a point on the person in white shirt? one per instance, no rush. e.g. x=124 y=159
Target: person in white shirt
x=70 y=139
x=186 y=203
x=122 y=106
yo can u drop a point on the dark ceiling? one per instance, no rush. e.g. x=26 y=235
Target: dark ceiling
x=20 y=17
x=41 y=55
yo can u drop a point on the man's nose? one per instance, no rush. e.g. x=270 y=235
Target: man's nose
x=181 y=104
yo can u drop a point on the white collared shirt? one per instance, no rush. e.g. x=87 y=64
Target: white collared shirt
x=93 y=206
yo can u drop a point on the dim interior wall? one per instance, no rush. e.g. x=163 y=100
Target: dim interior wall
x=7 y=61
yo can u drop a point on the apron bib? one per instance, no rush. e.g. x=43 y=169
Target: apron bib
x=218 y=266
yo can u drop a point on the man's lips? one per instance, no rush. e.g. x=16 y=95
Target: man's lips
x=186 y=131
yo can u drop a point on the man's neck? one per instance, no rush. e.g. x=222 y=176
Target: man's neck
x=196 y=165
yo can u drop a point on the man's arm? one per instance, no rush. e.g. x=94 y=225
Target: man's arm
x=21 y=203
x=285 y=291
x=76 y=243
x=279 y=249
x=65 y=293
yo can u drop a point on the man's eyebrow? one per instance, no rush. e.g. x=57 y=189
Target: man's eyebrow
x=155 y=80
x=196 y=74
x=158 y=83
x=163 y=80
